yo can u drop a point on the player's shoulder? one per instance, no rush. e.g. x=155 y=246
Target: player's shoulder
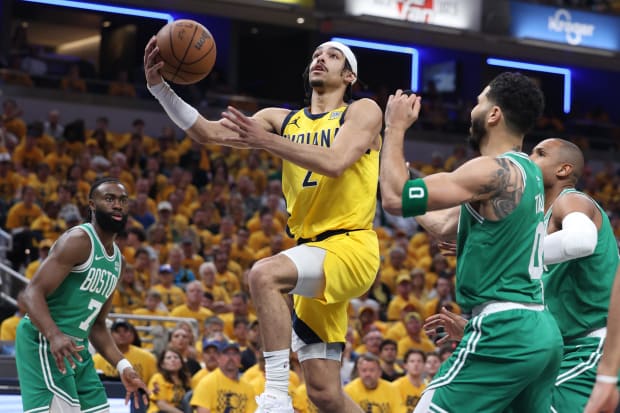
x=364 y=107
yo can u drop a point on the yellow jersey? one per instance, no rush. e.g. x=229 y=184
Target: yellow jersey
x=318 y=203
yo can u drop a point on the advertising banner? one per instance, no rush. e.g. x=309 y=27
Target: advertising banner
x=560 y=25
x=458 y=14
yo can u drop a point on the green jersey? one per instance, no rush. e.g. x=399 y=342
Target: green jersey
x=577 y=291
x=502 y=260
x=75 y=304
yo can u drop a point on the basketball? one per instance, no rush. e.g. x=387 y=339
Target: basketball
x=188 y=51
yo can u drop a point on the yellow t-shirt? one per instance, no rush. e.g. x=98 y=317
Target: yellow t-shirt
x=32 y=268
x=409 y=393
x=407 y=343
x=385 y=398
x=318 y=203
x=143 y=362
x=301 y=401
x=20 y=215
x=220 y=394
x=9 y=327
x=201 y=315
x=167 y=391
x=171 y=297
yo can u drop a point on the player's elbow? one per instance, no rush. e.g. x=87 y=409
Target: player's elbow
x=391 y=204
x=578 y=245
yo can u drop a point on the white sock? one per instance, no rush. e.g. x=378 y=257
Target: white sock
x=277 y=372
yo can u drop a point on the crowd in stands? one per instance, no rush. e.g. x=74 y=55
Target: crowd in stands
x=200 y=216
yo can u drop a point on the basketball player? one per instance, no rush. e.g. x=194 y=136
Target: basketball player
x=581 y=258
x=604 y=397
x=330 y=173
x=496 y=201
x=68 y=301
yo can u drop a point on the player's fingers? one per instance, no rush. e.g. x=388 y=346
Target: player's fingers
x=60 y=363
x=240 y=115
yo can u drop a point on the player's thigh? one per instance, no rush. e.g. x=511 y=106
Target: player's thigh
x=493 y=364
x=39 y=377
x=92 y=395
x=577 y=375
x=350 y=265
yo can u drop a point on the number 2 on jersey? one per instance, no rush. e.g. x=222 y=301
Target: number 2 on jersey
x=307 y=182
x=95 y=306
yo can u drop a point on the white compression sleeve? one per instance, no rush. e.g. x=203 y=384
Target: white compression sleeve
x=576 y=239
x=181 y=113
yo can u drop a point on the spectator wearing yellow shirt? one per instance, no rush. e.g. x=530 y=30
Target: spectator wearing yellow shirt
x=222 y=390
x=415 y=337
x=371 y=343
x=169 y=386
x=127 y=341
x=402 y=298
x=48 y=224
x=226 y=230
x=44 y=250
x=240 y=309
x=138 y=139
x=192 y=308
x=76 y=176
x=219 y=295
x=411 y=385
x=191 y=260
x=121 y=86
x=372 y=393
x=129 y=293
x=72 y=82
x=24 y=212
x=276 y=245
x=27 y=155
x=240 y=250
x=58 y=159
x=254 y=172
x=8 y=327
x=172 y=296
x=262 y=237
x=444 y=288
x=223 y=276
x=11 y=118
x=152 y=307
x=395 y=267
x=10 y=181
x=44 y=183
x=209 y=360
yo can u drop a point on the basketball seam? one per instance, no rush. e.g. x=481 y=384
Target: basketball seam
x=189 y=45
x=203 y=56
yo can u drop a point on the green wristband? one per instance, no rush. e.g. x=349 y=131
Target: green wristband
x=415 y=198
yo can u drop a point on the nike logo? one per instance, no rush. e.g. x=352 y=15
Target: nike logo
x=98 y=257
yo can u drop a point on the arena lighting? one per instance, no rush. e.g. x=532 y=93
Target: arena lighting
x=540 y=68
x=129 y=11
x=387 y=47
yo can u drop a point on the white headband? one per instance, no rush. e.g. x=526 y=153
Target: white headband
x=348 y=54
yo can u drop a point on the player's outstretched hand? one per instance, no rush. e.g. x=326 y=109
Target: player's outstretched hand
x=62 y=347
x=604 y=398
x=250 y=132
x=134 y=385
x=453 y=325
x=152 y=63
x=402 y=110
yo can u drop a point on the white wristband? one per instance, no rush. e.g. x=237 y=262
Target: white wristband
x=179 y=111
x=601 y=378
x=122 y=365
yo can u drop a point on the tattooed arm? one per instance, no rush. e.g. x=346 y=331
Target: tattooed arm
x=495 y=183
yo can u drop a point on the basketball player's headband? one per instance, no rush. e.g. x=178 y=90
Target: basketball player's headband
x=348 y=54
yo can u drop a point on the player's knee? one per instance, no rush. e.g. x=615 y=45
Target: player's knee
x=262 y=275
x=326 y=398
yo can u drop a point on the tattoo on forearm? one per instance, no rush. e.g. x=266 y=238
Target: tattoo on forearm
x=505 y=188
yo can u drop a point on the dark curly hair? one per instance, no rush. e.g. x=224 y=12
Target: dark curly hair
x=521 y=100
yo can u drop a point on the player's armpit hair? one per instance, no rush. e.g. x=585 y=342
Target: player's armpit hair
x=504 y=189
x=577 y=238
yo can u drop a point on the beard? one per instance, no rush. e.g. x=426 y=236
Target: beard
x=109 y=224
x=477 y=132
x=317 y=83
